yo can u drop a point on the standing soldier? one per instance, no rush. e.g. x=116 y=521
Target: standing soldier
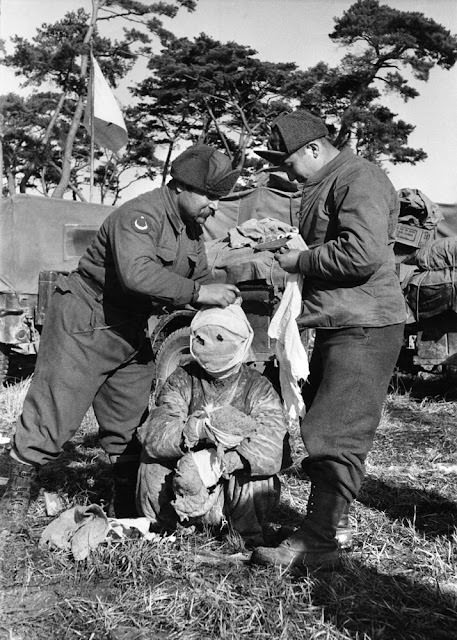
x=352 y=297
x=94 y=349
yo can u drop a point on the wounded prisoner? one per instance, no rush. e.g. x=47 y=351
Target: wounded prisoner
x=214 y=443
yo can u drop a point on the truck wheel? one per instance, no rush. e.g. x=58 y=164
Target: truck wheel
x=5 y=350
x=175 y=351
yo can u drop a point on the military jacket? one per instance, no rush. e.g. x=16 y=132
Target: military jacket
x=189 y=389
x=348 y=215
x=144 y=256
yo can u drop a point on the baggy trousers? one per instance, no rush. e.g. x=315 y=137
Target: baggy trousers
x=350 y=370
x=245 y=501
x=90 y=354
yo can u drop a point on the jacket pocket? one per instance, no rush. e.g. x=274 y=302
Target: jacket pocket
x=192 y=264
x=166 y=255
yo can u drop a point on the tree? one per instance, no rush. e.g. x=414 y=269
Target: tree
x=58 y=56
x=384 y=43
x=220 y=93
x=204 y=90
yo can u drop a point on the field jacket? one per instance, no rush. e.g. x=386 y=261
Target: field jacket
x=189 y=389
x=348 y=215
x=144 y=256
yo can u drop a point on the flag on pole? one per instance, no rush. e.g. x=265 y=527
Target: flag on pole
x=108 y=128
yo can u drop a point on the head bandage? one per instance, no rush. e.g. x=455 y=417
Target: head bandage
x=220 y=338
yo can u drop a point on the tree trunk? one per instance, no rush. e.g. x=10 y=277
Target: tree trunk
x=75 y=123
x=167 y=163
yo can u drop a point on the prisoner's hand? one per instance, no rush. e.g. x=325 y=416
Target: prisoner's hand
x=288 y=260
x=194 y=431
x=219 y=295
x=231 y=462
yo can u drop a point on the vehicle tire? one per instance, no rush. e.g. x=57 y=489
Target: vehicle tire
x=174 y=351
x=5 y=350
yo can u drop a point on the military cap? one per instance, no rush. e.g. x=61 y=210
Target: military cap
x=205 y=169
x=290 y=132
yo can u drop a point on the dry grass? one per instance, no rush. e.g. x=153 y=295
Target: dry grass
x=399 y=583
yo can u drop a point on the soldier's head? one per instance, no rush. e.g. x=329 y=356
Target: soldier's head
x=298 y=145
x=220 y=339
x=201 y=176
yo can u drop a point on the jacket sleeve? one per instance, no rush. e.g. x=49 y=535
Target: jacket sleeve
x=264 y=449
x=161 y=434
x=362 y=204
x=139 y=259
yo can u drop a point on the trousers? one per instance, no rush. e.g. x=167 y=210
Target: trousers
x=244 y=501
x=91 y=353
x=350 y=370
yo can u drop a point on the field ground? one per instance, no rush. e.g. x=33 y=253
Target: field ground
x=399 y=583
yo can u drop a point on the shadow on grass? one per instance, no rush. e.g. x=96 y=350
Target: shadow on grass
x=424 y=385
x=367 y=604
x=430 y=513
x=83 y=473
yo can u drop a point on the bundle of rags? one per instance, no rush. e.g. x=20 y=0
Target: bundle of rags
x=196 y=483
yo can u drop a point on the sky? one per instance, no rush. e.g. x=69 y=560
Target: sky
x=297 y=31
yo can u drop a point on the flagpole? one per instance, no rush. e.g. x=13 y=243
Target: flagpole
x=92 y=135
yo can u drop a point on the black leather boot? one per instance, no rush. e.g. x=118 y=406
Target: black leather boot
x=313 y=545
x=123 y=497
x=15 y=502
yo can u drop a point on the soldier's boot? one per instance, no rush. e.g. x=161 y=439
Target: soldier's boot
x=123 y=496
x=313 y=545
x=344 y=531
x=15 y=502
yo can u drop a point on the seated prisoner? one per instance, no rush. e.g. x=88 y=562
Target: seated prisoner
x=214 y=443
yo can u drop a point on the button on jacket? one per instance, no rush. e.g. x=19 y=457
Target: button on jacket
x=348 y=215
x=144 y=255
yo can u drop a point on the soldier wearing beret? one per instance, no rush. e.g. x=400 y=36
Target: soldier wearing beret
x=352 y=298
x=148 y=254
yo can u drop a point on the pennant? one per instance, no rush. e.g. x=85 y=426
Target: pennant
x=109 y=126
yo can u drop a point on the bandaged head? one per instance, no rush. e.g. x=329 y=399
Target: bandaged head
x=220 y=339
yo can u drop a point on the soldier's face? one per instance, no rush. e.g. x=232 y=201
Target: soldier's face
x=196 y=206
x=302 y=164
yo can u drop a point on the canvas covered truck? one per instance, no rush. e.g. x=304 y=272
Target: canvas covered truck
x=41 y=237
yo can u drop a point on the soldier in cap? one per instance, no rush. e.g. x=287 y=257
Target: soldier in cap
x=148 y=254
x=352 y=298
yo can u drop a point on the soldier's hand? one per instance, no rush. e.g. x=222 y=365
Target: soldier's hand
x=219 y=295
x=288 y=259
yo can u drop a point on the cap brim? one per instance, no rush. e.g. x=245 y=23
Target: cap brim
x=275 y=157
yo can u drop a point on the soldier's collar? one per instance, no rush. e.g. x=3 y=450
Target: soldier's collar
x=172 y=211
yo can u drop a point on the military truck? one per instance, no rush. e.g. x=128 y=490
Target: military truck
x=42 y=237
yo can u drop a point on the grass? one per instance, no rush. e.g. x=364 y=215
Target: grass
x=399 y=583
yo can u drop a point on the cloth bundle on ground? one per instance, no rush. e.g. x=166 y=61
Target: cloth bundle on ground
x=431 y=288
x=83 y=528
x=233 y=258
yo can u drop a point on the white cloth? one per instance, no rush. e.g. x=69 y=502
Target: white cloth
x=220 y=338
x=290 y=352
x=208 y=465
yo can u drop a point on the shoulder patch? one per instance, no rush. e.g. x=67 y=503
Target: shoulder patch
x=140 y=224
